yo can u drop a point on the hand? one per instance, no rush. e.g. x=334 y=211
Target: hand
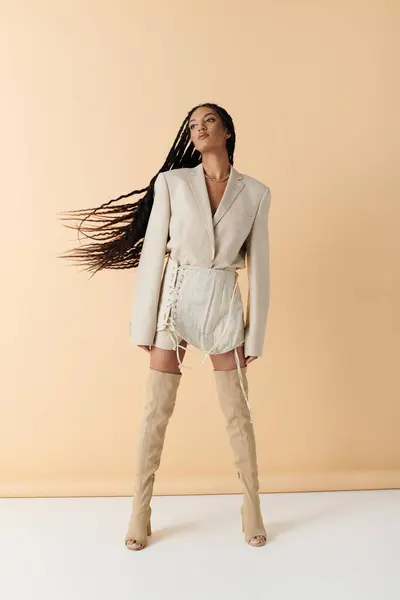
x=249 y=359
x=145 y=348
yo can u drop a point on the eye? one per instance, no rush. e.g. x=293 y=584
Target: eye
x=192 y=124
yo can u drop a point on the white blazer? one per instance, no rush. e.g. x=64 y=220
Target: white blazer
x=181 y=224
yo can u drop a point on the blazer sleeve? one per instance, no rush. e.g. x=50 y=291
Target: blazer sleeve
x=150 y=267
x=258 y=269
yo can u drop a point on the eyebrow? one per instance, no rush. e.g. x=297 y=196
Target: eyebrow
x=209 y=113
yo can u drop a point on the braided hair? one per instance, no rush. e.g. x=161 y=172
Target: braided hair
x=118 y=231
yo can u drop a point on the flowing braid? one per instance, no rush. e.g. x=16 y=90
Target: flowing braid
x=118 y=231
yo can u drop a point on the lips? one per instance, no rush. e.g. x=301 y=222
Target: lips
x=203 y=135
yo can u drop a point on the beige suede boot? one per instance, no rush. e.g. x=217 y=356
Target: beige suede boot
x=242 y=440
x=161 y=392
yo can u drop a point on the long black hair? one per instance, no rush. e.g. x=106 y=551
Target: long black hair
x=118 y=231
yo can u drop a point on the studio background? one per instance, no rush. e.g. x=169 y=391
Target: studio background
x=93 y=94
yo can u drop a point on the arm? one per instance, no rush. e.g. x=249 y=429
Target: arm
x=257 y=245
x=150 y=267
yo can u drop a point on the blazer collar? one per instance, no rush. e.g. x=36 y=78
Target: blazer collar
x=199 y=186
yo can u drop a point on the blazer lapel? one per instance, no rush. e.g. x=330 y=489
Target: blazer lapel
x=199 y=186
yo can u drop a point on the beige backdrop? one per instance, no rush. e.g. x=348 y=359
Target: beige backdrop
x=93 y=94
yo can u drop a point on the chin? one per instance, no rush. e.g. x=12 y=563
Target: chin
x=205 y=146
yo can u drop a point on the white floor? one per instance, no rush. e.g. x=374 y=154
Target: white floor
x=339 y=545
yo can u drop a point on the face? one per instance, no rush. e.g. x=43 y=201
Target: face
x=207 y=130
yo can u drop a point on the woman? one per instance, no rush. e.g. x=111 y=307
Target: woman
x=208 y=219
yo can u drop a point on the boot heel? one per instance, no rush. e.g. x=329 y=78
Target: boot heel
x=149 y=523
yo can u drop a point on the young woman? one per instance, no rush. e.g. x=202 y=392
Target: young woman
x=208 y=219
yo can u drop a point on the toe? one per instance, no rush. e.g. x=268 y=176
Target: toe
x=134 y=544
x=257 y=540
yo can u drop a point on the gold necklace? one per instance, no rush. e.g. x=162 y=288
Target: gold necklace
x=217 y=180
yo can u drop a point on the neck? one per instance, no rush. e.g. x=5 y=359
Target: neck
x=216 y=165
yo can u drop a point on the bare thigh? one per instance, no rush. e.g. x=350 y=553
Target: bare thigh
x=226 y=361
x=166 y=360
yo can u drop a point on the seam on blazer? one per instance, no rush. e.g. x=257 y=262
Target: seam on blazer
x=170 y=212
x=169 y=191
x=248 y=328
x=266 y=193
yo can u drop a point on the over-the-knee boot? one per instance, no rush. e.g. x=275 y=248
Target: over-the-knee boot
x=242 y=440
x=161 y=392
